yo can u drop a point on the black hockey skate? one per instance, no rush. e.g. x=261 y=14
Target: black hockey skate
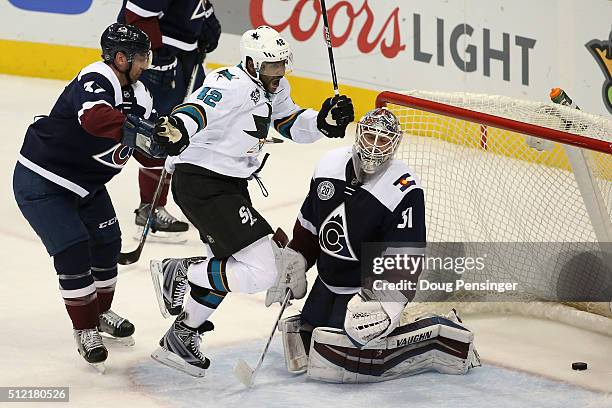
x=170 y=282
x=116 y=329
x=165 y=227
x=180 y=348
x=90 y=346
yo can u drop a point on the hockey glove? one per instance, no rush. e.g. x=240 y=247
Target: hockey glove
x=138 y=134
x=171 y=134
x=335 y=115
x=369 y=320
x=211 y=31
x=291 y=269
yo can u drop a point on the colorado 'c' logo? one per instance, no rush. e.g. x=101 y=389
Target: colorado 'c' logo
x=115 y=157
x=333 y=236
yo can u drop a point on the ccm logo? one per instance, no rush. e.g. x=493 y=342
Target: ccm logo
x=107 y=223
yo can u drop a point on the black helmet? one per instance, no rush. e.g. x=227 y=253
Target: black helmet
x=125 y=38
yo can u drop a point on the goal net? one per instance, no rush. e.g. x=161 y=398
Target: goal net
x=527 y=183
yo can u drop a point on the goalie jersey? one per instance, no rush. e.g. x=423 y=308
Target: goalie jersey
x=340 y=214
x=228 y=120
x=77 y=146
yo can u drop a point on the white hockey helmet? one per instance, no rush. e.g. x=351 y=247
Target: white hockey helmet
x=265 y=45
x=377 y=138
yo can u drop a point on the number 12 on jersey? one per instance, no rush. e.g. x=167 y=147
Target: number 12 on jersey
x=210 y=97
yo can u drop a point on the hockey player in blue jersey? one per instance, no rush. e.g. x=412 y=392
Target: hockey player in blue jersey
x=59 y=181
x=215 y=140
x=182 y=32
x=360 y=195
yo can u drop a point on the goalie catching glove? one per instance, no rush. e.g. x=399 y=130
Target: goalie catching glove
x=335 y=115
x=171 y=134
x=367 y=321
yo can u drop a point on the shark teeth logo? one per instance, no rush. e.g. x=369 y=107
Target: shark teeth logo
x=602 y=52
x=333 y=236
x=115 y=157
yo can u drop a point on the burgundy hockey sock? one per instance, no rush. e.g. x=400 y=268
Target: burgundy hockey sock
x=147 y=181
x=105 y=297
x=83 y=311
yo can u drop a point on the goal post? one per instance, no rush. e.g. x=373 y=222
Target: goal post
x=496 y=169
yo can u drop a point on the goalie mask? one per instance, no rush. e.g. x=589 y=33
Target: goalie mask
x=271 y=53
x=377 y=137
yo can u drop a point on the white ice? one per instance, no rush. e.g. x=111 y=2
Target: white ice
x=526 y=361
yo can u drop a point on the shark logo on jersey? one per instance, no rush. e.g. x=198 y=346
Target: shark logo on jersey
x=333 y=236
x=91 y=86
x=115 y=157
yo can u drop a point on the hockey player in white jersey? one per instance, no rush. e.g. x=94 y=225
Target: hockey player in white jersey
x=362 y=195
x=216 y=138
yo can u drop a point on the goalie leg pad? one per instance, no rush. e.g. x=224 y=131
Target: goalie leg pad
x=296 y=359
x=430 y=344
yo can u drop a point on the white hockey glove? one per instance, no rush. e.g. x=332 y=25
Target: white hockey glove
x=368 y=321
x=291 y=269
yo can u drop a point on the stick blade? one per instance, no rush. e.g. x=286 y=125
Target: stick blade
x=244 y=373
x=128 y=258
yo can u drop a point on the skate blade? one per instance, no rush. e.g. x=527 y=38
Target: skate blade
x=120 y=341
x=99 y=367
x=155 y=267
x=244 y=373
x=162 y=237
x=171 y=360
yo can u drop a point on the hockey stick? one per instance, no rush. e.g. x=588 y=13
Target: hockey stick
x=242 y=370
x=127 y=258
x=330 y=50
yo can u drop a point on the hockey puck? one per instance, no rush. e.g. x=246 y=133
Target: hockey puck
x=580 y=366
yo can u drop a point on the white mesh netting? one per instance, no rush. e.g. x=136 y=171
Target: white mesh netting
x=484 y=184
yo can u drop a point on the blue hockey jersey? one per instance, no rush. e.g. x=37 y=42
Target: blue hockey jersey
x=78 y=144
x=339 y=214
x=179 y=21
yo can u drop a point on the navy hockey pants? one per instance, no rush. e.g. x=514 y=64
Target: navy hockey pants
x=60 y=217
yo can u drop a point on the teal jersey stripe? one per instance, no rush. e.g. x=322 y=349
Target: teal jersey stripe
x=193 y=111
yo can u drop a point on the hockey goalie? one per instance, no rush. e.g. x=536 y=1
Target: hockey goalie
x=344 y=334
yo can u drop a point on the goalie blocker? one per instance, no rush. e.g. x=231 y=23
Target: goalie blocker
x=432 y=343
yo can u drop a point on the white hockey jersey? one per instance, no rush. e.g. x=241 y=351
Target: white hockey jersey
x=228 y=120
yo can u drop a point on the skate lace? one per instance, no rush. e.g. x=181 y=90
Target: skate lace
x=112 y=319
x=164 y=216
x=179 y=294
x=90 y=339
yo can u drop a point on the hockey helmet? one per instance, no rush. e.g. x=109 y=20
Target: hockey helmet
x=377 y=138
x=265 y=46
x=125 y=38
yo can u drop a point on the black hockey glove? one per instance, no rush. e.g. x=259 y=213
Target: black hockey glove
x=171 y=134
x=335 y=115
x=138 y=134
x=162 y=78
x=211 y=31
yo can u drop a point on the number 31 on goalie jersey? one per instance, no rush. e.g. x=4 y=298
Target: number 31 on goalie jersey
x=406 y=219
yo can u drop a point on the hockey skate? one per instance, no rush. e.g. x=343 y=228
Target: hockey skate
x=170 y=282
x=116 y=329
x=165 y=227
x=180 y=348
x=91 y=348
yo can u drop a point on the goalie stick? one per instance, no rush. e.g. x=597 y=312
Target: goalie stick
x=127 y=258
x=242 y=370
